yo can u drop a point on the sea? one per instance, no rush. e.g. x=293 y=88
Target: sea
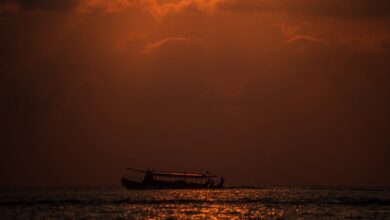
x=230 y=203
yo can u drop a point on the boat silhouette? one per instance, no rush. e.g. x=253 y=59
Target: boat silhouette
x=171 y=180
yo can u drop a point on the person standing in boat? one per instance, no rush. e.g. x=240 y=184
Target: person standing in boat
x=148 y=177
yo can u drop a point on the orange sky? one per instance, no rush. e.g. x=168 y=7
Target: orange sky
x=261 y=91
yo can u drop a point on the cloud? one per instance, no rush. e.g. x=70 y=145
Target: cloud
x=305 y=39
x=155 y=7
x=309 y=7
x=180 y=6
x=161 y=8
x=174 y=40
x=57 y=5
x=107 y=6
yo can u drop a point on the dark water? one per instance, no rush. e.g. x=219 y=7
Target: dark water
x=251 y=203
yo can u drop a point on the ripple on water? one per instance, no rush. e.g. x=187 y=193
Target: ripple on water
x=274 y=203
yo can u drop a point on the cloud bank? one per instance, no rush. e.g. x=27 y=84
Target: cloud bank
x=347 y=8
x=91 y=86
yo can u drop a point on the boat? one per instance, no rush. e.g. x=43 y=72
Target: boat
x=149 y=179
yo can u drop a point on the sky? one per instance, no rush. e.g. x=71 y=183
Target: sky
x=263 y=92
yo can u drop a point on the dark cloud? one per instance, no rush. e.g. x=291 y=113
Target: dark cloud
x=322 y=7
x=43 y=4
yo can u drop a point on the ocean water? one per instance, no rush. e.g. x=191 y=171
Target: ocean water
x=233 y=203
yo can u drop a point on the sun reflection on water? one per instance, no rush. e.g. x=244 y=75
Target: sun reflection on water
x=205 y=204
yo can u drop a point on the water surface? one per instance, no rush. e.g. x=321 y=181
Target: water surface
x=238 y=203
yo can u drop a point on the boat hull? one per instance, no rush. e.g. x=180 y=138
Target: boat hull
x=134 y=185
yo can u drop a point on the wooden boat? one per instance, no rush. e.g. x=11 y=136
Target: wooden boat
x=171 y=180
